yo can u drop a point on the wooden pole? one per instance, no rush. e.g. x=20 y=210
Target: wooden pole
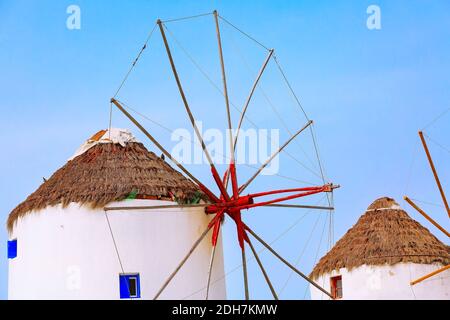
x=244 y=269
x=299 y=206
x=183 y=97
x=224 y=81
x=287 y=263
x=275 y=296
x=252 y=91
x=245 y=185
x=180 y=89
x=430 y=275
x=164 y=151
x=172 y=275
x=211 y=262
x=430 y=160
x=244 y=110
x=167 y=206
x=188 y=110
x=437 y=225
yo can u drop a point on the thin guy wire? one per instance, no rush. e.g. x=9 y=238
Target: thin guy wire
x=244 y=33
x=317 y=252
x=437 y=143
x=297 y=262
x=117 y=250
x=187 y=18
x=274 y=109
x=428 y=203
x=291 y=89
x=135 y=61
x=436 y=119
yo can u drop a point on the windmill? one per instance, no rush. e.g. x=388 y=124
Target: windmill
x=229 y=204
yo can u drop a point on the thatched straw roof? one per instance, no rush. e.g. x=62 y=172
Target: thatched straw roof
x=385 y=234
x=108 y=172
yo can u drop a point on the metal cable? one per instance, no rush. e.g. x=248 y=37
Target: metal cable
x=274 y=109
x=436 y=119
x=410 y=279
x=297 y=262
x=187 y=18
x=428 y=203
x=437 y=143
x=289 y=86
x=303 y=110
x=316 y=148
x=317 y=254
x=127 y=75
x=117 y=250
x=133 y=64
x=244 y=33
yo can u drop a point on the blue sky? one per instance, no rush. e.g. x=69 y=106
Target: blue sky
x=368 y=91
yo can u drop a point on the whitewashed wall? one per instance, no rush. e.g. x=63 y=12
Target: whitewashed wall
x=69 y=253
x=388 y=283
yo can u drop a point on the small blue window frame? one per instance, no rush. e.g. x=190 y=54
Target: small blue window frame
x=12 y=249
x=124 y=285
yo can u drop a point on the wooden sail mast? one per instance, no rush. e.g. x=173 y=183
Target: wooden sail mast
x=425 y=215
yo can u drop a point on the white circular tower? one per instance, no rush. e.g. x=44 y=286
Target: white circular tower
x=63 y=244
x=380 y=256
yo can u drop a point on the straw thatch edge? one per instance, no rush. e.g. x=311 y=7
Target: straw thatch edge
x=107 y=173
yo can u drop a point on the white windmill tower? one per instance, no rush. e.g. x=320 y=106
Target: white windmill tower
x=74 y=239
x=380 y=256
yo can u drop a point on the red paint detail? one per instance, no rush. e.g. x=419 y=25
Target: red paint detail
x=241 y=201
x=336 y=287
x=234 y=183
x=321 y=188
x=233 y=206
x=216 y=223
x=208 y=193
x=282 y=199
x=219 y=183
x=215 y=235
x=240 y=228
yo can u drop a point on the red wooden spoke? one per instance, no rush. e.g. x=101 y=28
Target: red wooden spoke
x=234 y=183
x=215 y=223
x=304 y=189
x=247 y=202
x=220 y=184
x=295 y=196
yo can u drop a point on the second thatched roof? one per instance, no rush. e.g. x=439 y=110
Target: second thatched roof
x=385 y=234
x=105 y=172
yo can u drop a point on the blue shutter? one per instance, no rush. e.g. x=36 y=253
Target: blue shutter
x=130 y=286
x=12 y=249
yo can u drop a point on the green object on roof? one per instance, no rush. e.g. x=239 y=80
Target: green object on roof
x=133 y=194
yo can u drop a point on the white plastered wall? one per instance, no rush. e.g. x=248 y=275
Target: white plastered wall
x=388 y=283
x=68 y=253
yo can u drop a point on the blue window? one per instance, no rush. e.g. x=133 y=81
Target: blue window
x=12 y=249
x=130 y=286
